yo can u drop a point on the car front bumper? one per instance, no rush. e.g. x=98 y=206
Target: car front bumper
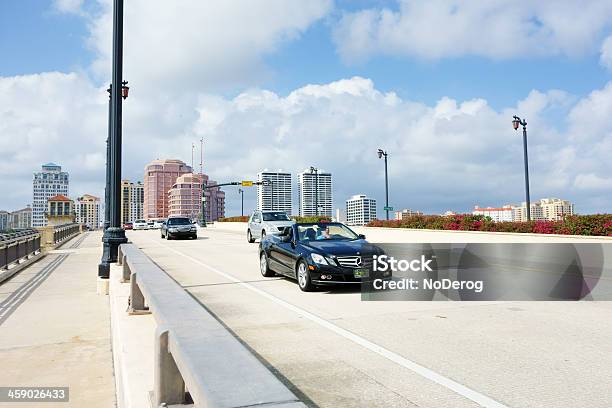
x=178 y=234
x=337 y=275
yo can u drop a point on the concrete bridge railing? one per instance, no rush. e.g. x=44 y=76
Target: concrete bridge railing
x=194 y=352
x=18 y=246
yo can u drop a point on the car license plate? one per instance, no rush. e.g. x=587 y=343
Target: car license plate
x=361 y=273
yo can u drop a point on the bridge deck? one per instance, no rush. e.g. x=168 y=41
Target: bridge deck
x=55 y=329
x=339 y=351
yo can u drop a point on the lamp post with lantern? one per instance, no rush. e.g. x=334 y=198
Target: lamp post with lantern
x=516 y=122
x=381 y=154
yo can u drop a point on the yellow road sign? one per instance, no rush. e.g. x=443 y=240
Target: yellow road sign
x=247 y=183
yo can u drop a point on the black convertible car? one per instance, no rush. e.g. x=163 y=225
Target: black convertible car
x=318 y=254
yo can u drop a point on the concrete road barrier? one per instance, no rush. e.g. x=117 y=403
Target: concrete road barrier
x=194 y=352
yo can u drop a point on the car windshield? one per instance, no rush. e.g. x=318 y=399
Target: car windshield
x=179 y=221
x=275 y=216
x=325 y=231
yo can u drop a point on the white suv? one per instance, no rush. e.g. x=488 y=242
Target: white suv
x=140 y=225
x=264 y=223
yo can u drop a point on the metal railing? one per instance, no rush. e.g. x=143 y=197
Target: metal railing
x=194 y=352
x=63 y=232
x=18 y=246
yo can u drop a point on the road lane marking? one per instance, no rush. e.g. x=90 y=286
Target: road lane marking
x=458 y=388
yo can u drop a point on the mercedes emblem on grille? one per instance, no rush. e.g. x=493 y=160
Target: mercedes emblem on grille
x=359 y=261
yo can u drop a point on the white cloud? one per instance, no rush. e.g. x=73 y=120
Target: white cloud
x=68 y=6
x=497 y=29
x=452 y=154
x=174 y=47
x=606 y=53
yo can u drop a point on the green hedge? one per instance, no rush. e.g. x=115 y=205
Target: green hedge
x=594 y=225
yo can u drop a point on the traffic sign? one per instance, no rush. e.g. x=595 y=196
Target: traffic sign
x=247 y=183
x=388 y=208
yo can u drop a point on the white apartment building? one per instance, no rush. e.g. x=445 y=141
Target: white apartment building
x=308 y=186
x=340 y=215
x=555 y=209
x=132 y=201
x=360 y=210
x=47 y=183
x=497 y=214
x=276 y=195
x=88 y=211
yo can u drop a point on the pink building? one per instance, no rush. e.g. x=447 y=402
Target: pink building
x=185 y=198
x=159 y=177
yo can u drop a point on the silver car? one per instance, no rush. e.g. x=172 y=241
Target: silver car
x=264 y=223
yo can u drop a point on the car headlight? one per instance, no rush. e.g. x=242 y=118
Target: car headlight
x=194 y=228
x=319 y=259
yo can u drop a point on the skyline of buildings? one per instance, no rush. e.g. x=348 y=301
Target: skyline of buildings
x=159 y=176
x=549 y=209
x=315 y=189
x=47 y=183
x=360 y=210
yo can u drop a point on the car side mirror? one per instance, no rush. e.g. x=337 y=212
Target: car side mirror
x=361 y=236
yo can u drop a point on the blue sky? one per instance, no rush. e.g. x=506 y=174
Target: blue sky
x=330 y=42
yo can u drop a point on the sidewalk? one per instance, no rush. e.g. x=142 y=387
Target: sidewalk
x=55 y=329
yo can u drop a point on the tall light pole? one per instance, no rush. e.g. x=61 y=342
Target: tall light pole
x=516 y=122
x=241 y=192
x=316 y=173
x=381 y=154
x=108 y=160
x=114 y=235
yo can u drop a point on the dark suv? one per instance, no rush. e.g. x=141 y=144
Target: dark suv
x=176 y=227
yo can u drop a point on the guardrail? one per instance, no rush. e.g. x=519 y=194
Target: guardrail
x=194 y=353
x=17 y=246
x=63 y=232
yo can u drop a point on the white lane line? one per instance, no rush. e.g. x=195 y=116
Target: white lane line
x=460 y=389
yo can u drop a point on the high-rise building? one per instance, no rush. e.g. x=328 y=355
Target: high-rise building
x=360 y=210
x=159 y=177
x=276 y=195
x=47 y=183
x=88 y=211
x=21 y=218
x=132 y=201
x=185 y=196
x=311 y=185
x=497 y=214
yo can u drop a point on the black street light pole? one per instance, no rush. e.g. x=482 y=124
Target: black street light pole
x=114 y=235
x=108 y=160
x=316 y=172
x=381 y=154
x=515 y=123
x=241 y=192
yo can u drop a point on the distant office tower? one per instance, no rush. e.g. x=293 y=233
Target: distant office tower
x=310 y=183
x=405 y=213
x=159 y=177
x=132 y=201
x=496 y=214
x=277 y=194
x=47 y=183
x=215 y=200
x=360 y=210
x=340 y=215
x=88 y=211
x=21 y=218
x=185 y=196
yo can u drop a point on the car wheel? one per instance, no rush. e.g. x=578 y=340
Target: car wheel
x=168 y=237
x=162 y=236
x=250 y=237
x=303 y=277
x=194 y=236
x=263 y=266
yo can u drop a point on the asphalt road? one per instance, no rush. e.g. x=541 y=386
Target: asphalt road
x=336 y=351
